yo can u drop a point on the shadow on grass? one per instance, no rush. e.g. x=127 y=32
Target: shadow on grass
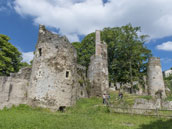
x=160 y=124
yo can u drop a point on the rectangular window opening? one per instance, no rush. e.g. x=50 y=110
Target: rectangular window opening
x=67 y=74
x=40 y=51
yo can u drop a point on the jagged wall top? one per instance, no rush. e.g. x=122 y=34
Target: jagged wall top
x=98 y=43
x=154 y=61
x=98 y=39
x=49 y=37
x=101 y=47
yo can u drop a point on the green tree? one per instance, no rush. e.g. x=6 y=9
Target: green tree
x=10 y=57
x=85 y=49
x=24 y=64
x=127 y=55
x=168 y=83
x=31 y=62
x=77 y=46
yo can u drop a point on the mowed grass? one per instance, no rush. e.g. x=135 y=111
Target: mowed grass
x=86 y=114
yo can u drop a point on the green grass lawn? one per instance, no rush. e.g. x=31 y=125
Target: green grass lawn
x=86 y=114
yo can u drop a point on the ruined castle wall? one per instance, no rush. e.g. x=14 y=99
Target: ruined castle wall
x=82 y=91
x=98 y=69
x=13 y=89
x=155 y=77
x=98 y=76
x=54 y=78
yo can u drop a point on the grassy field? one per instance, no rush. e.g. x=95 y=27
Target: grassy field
x=127 y=101
x=86 y=114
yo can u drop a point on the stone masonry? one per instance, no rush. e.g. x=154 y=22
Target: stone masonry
x=54 y=79
x=155 y=78
x=98 y=68
x=13 y=89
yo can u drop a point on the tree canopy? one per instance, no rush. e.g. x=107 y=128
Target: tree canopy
x=127 y=54
x=10 y=57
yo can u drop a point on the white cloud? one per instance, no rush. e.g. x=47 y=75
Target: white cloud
x=27 y=56
x=167 y=46
x=80 y=17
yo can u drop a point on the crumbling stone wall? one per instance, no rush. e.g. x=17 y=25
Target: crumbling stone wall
x=54 y=79
x=98 y=69
x=155 y=78
x=82 y=91
x=13 y=89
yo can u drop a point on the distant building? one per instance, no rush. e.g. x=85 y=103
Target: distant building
x=167 y=73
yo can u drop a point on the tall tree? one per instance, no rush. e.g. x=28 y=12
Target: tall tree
x=85 y=49
x=10 y=57
x=127 y=55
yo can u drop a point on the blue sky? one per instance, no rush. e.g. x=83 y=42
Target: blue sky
x=19 y=19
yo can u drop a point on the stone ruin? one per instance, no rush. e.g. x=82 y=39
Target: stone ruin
x=13 y=89
x=56 y=81
x=98 y=68
x=55 y=73
x=153 y=82
x=156 y=87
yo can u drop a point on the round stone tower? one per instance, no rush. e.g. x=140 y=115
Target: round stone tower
x=156 y=85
